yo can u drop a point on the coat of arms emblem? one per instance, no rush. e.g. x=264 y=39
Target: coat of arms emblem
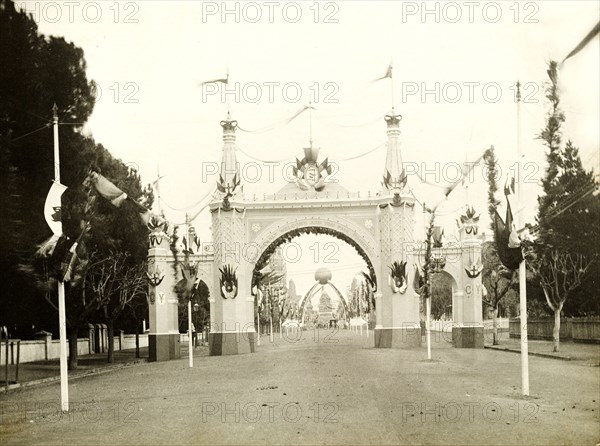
x=309 y=174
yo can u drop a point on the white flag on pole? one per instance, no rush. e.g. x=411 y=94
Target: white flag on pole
x=52 y=208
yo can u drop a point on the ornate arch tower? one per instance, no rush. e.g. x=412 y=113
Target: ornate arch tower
x=231 y=303
x=397 y=310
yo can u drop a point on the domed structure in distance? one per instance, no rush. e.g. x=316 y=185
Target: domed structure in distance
x=323 y=275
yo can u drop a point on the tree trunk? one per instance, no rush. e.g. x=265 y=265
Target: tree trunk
x=111 y=341
x=556 y=332
x=495 y=326
x=72 y=349
x=137 y=340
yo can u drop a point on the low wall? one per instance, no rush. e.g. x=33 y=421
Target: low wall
x=488 y=324
x=571 y=329
x=41 y=350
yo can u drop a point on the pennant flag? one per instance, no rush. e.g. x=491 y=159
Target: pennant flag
x=56 y=256
x=107 y=189
x=418 y=281
x=115 y=195
x=593 y=33
x=388 y=74
x=448 y=189
x=52 y=208
x=52 y=214
x=215 y=81
x=507 y=240
x=69 y=263
x=184 y=287
x=46 y=249
x=76 y=254
x=438 y=234
x=509 y=186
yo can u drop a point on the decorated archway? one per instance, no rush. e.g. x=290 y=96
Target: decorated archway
x=247 y=229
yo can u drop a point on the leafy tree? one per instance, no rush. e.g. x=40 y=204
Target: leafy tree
x=115 y=281
x=568 y=239
x=137 y=311
x=201 y=306
x=441 y=295
x=497 y=279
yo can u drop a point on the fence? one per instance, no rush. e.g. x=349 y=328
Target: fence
x=584 y=329
x=46 y=348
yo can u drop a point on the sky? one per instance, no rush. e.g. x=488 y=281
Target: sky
x=454 y=69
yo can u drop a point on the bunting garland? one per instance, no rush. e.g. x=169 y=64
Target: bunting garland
x=279 y=123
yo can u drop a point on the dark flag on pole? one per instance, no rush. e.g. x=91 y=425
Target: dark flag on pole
x=509 y=249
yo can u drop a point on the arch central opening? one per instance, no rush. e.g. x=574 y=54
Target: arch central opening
x=328 y=279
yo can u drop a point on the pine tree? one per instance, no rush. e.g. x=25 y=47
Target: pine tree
x=37 y=72
x=568 y=239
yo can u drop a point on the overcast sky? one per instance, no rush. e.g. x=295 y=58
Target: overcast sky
x=149 y=58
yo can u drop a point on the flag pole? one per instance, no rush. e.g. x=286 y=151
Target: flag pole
x=271 y=312
x=62 y=314
x=258 y=294
x=189 y=309
x=158 y=188
x=522 y=265
x=392 y=81
x=310 y=129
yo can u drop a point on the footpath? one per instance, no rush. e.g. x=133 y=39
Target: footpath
x=568 y=351
x=40 y=372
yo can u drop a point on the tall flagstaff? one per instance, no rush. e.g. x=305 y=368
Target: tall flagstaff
x=62 y=315
x=522 y=265
x=189 y=303
x=392 y=82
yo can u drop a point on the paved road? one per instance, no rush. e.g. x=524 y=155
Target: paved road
x=329 y=388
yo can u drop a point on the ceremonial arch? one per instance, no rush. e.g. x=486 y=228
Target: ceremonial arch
x=247 y=229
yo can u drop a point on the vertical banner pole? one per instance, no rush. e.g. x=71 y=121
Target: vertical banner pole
x=522 y=265
x=271 y=312
x=191 y=355
x=62 y=314
x=428 y=325
x=258 y=293
x=190 y=348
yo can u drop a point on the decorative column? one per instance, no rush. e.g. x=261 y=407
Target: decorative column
x=470 y=333
x=398 y=321
x=163 y=338
x=231 y=302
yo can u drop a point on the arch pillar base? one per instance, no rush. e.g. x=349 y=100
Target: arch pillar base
x=467 y=337
x=163 y=347
x=408 y=336
x=231 y=343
